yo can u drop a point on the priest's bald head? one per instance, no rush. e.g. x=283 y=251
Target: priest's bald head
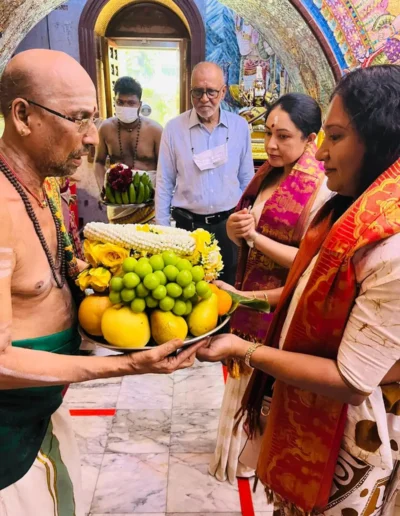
x=48 y=102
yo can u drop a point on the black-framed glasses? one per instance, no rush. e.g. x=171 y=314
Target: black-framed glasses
x=82 y=123
x=197 y=93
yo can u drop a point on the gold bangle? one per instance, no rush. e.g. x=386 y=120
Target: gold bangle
x=249 y=352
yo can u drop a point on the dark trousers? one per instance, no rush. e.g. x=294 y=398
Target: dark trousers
x=229 y=250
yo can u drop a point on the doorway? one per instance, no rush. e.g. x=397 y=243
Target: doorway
x=151 y=43
x=158 y=65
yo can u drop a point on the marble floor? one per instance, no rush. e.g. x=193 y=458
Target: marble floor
x=146 y=442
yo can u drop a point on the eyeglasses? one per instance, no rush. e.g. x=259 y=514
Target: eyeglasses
x=197 y=93
x=82 y=123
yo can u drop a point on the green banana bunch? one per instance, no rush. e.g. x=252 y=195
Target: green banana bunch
x=110 y=196
x=143 y=188
x=140 y=191
x=132 y=194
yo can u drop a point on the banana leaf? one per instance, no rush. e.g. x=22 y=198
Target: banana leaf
x=254 y=304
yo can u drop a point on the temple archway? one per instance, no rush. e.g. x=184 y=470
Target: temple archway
x=97 y=14
x=286 y=24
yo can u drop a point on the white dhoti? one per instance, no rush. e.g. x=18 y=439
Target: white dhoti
x=225 y=461
x=53 y=485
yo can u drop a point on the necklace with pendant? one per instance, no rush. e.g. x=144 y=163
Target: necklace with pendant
x=121 y=153
x=41 y=202
x=59 y=278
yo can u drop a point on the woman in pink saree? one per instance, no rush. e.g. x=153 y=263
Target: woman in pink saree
x=268 y=224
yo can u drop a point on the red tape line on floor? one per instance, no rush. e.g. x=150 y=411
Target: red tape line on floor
x=246 y=500
x=92 y=412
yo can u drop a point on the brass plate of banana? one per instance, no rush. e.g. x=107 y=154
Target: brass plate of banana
x=139 y=193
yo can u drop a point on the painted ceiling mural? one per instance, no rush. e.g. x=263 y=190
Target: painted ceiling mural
x=290 y=38
x=361 y=32
x=239 y=48
x=17 y=17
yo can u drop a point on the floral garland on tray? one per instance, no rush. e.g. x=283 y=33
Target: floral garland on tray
x=106 y=246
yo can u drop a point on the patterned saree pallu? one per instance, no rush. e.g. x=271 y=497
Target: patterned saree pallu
x=283 y=219
x=304 y=431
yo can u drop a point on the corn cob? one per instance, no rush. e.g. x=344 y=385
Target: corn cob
x=151 y=239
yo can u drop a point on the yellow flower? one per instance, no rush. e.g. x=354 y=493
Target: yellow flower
x=83 y=280
x=99 y=279
x=147 y=228
x=143 y=227
x=111 y=255
x=213 y=258
x=203 y=239
x=207 y=253
x=89 y=249
x=117 y=271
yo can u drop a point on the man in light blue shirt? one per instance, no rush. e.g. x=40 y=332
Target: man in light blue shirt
x=204 y=164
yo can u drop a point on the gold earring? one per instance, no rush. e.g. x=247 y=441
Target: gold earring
x=22 y=132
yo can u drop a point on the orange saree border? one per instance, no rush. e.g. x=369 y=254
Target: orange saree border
x=304 y=431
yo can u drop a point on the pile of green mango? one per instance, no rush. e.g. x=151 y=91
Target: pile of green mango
x=140 y=191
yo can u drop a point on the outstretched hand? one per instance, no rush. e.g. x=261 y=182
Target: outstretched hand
x=159 y=361
x=215 y=349
x=226 y=286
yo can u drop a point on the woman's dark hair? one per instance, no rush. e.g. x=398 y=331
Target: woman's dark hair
x=128 y=86
x=303 y=111
x=371 y=98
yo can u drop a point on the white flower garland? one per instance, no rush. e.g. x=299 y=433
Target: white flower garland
x=142 y=238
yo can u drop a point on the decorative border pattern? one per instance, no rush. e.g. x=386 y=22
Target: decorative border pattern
x=113 y=6
x=326 y=30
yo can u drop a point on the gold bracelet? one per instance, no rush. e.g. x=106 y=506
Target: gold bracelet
x=249 y=352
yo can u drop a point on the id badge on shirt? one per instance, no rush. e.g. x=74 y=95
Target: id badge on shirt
x=212 y=158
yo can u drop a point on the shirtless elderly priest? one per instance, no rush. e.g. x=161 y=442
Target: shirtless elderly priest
x=49 y=103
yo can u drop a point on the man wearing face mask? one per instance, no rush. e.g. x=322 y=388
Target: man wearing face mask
x=131 y=139
x=205 y=163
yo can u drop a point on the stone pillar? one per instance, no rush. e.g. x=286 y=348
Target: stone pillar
x=17 y=17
